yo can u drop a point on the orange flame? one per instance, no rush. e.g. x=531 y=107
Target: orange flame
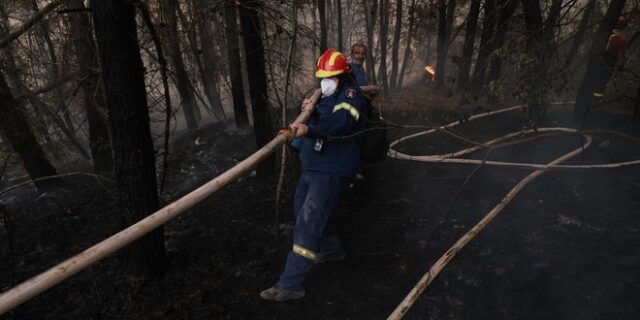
x=430 y=70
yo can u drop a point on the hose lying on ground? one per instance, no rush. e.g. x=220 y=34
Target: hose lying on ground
x=435 y=269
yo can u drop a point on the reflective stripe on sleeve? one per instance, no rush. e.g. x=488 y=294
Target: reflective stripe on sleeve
x=349 y=108
x=300 y=250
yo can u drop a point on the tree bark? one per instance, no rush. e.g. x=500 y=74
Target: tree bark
x=16 y=130
x=61 y=106
x=395 y=47
x=208 y=63
x=407 y=49
x=467 y=47
x=93 y=92
x=370 y=19
x=235 y=72
x=534 y=74
x=185 y=88
x=384 y=30
x=322 y=15
x=485 y=49
x=251 y=29
x=339 y=31
x=442 y=42
x=123 y=75
x=636 y=110
x=500 y=37
x=584 y=96
x=579 y=35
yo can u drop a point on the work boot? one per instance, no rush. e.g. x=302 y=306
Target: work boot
x=278 y=294
x=324 y=257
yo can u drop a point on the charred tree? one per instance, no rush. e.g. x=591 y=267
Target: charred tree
x=384 y=30
x=44 y=30
x=486 y=37
x=441 y=42
x=407 y=49
x=16 y=130
x=636 y=110
x=572 y=53
x=257 y=78
x=122 y=70
x=43 y=112
x=500 y=37
x=533 y=85
x=467 y=47
x=322 y=15
x=235 y=72
x=339 y=31
x=208 y=63
x=584 y=97
x=395 y=46
x=446 y=11
x=93 y=93
x=370 y=20
x=183 y=83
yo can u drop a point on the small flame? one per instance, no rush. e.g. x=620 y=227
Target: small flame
x=430 y=70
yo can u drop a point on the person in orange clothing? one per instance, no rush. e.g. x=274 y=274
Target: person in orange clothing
x=610 y=60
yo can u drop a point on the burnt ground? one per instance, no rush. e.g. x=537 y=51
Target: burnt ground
x=565 y=248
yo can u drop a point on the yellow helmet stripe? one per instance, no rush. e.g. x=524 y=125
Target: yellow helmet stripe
x=349 y=108
x=302 y=251
x=332 y=59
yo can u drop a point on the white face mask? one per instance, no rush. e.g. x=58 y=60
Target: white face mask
x=328 y=86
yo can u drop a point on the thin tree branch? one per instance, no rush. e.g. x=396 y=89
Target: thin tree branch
x=30 y=23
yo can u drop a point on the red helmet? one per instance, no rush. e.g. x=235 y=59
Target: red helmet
x=621 y=23
x=331 y=63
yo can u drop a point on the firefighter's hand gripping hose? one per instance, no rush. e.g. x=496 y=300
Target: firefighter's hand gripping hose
x=435 y=269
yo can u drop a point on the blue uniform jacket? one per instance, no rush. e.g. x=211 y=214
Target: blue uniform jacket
x=336 y=116
x=359 y=74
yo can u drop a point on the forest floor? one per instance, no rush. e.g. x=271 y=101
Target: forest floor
x=566 y=247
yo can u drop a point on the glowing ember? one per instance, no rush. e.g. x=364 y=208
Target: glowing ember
x=430 y=70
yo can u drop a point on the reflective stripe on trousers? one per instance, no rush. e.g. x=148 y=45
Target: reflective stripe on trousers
x=317 y=195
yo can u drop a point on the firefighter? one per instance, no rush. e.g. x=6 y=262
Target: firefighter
x=610 y=60
x=329 y=158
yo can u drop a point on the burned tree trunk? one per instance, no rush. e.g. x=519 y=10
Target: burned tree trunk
x=339 y=18
x=584 y=97
x=209 y=61
x=16 y=130
x=384 y=30
x=582 y=28
x=370 y=18
x=257 y=78
x=185 y=88
x=395 y=47
x=467 y=47
x=500 y=36
x=235 y=72
x=407 y=50
x=123 y=75
x=322 y=14
x=636 y=110
x=93 y=93
x=445 y=22
x=488 y=29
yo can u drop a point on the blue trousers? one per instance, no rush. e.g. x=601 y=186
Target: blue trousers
x=316 y=197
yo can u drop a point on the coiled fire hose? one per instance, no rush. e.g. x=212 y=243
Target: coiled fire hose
x=435 y=269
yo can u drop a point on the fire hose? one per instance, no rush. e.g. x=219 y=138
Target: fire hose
x=437 y=267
